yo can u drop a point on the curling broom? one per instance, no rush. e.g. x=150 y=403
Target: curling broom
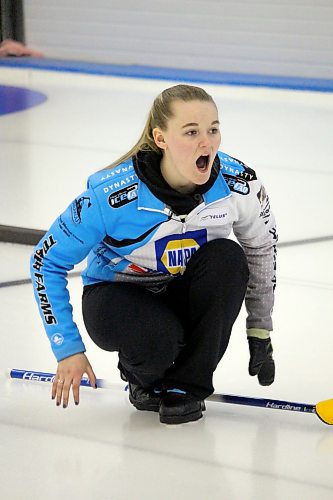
x=323 y=409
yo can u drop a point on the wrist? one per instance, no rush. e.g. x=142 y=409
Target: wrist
x=258 y=333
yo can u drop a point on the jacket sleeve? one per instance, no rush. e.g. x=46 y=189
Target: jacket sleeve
x=256 y=231
x=67 y=243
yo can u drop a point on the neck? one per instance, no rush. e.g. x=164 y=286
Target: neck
x=182 y=187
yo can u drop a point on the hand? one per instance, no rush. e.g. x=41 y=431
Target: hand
x=261 y=360
x=12 y=48
x=69 y=373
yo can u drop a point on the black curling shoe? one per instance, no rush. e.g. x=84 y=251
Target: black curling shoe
x=144 y=399
x=177 y=407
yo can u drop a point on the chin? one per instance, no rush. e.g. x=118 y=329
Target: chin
x=201 y=182
x=202 y=178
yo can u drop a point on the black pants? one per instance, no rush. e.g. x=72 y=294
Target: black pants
x=178 y=336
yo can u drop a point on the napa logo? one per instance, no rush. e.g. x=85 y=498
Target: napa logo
x=174 y=252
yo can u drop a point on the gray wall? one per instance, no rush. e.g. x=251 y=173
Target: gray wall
x=274 y=37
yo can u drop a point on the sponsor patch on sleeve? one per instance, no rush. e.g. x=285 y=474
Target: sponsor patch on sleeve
x=237 y=184
x=263 y=199
x=77 y=206
x=39 y=284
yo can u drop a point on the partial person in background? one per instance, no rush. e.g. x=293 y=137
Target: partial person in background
x=10 y=47
x=164 y=284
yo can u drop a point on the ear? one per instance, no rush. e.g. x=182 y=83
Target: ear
x=158 y=136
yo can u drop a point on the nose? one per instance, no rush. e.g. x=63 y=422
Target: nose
x=204 y=141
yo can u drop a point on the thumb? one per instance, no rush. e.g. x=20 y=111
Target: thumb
x=255 y=364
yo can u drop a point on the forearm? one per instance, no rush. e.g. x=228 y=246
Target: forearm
x=50 y=289
x=259 y=298
x=66 y=243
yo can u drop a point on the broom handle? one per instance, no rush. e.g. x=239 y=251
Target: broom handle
x=275 y=404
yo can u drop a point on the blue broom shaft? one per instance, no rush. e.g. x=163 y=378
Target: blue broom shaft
x=45 y=377
x=275 y=404
x=221 y=398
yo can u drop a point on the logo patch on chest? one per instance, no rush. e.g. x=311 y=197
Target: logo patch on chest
x=124 y=196
x=174 y=252
x=214 y=217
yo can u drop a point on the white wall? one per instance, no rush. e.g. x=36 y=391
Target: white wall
x=275 y=37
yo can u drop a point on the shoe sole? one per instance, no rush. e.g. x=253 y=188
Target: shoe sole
x=143 y=406
x=183 y=419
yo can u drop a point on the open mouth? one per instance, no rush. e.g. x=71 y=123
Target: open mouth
x=202 y=163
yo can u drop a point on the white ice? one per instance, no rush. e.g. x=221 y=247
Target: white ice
x=104 y=448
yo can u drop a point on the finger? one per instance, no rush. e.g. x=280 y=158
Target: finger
x=65 y=392
x=54 y=387
x=255 y=365
x=59 y=389
x=266 y=375
x=76 y=390
x=258 y=356
x=92 y=377
x=55 y=384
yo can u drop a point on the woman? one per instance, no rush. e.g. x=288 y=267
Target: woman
x=163 y=285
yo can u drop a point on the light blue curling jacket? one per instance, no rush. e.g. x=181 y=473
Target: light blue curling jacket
x=130 y=235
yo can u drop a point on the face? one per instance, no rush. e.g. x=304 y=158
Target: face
x=189 y=144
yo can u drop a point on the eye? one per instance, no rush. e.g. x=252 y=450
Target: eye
x=192 y=132
x=214 y=130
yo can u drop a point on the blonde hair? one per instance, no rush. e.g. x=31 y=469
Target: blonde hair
x=159 y=114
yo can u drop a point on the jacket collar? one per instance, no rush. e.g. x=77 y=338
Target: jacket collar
x=148 y=201
x=218 y=191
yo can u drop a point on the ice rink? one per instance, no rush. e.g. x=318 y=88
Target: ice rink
x=105 y=449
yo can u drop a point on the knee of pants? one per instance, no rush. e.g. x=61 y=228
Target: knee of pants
x=151 y=357
x=220 y=255
x=103 y=339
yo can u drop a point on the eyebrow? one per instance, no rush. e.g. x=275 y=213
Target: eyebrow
x=215 y=122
